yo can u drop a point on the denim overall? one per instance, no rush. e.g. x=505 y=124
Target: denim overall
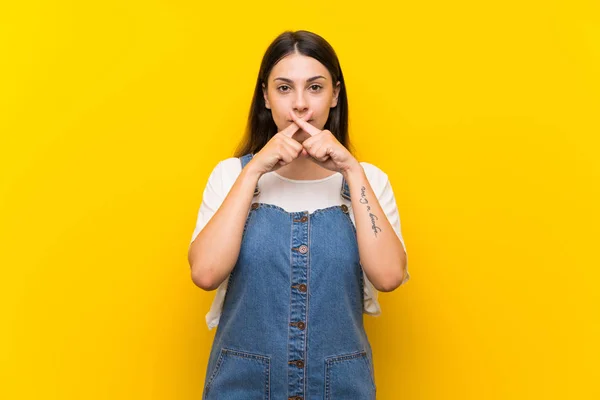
x=291 y=326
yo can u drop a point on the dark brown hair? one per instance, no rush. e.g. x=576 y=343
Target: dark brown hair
x=261 y=127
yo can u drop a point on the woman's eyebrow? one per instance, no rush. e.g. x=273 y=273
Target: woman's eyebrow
x=308 y=80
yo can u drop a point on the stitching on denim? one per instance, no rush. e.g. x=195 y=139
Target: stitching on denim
x=248 y=219
x=214 y=373
x=345 y=193
x=345 y=356
x=246 y=354
x=228 y=284
x=250 y=213
x=291 y=279
x=349 y=219
x=308 y=260
x=327 y=382
x=268 y=380
x=263 y=359
x=371 y=372
x=332 y=360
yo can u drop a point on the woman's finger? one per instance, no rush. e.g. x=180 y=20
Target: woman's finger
x=293 y=127
x=292 y=145
x=301 y=122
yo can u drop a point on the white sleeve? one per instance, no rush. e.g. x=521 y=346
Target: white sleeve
x=211 y=199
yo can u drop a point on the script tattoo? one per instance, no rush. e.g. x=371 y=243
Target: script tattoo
x=363 y=200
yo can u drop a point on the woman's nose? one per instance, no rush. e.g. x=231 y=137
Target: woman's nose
x=300 y=104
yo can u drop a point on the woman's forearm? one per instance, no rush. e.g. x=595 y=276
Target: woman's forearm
x=382 y=255
x=214 y=252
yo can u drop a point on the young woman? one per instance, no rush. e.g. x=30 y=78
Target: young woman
x=298 y=237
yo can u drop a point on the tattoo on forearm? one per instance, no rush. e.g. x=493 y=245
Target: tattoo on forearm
x=363 y=200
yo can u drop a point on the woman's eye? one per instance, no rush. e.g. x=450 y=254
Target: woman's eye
x=315 y=88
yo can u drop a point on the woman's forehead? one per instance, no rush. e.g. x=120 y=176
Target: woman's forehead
x=299 y=68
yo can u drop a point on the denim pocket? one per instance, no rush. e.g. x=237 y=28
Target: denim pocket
x=239 y=375
x=349 y=376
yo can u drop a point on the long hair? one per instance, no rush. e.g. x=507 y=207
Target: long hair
x=261 y=127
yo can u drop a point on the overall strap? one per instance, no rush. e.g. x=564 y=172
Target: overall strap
x=345 y=192
x=245 y=159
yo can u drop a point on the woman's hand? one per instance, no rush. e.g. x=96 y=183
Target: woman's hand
x=324 y=148
x=281 y=149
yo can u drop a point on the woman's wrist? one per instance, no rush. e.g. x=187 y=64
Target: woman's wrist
x=353 y=169
x=250 y=172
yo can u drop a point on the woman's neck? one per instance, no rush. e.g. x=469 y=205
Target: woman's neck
x=304 y=169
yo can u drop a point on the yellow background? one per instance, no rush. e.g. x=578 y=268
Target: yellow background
x=484 y=115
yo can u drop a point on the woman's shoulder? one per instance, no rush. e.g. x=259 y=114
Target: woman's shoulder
x=231 y=164
x=227 y=170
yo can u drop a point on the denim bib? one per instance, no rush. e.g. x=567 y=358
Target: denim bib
x=291 y=326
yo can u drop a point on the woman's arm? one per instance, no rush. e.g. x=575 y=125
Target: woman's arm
x=382 y=254
x=214 y=252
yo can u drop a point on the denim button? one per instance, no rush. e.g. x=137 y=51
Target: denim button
x=303 y=249
x=302 y=287
x=300 y=364
x=301 y=325
x=254 y=206
x=302 y=219
x=344 y=208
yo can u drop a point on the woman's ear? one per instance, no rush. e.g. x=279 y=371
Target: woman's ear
x=336 y=92
x=264 y=89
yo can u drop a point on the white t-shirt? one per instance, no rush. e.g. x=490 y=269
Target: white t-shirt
x=295 y=195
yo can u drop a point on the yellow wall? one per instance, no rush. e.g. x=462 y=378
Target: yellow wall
x=484 y=115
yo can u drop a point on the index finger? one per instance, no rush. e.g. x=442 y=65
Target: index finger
x=309 y=128
x=293 y=127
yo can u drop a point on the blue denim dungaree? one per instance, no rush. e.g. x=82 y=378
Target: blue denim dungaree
x=291 y=325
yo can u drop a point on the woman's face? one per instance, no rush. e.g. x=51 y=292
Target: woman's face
x=299 y=83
